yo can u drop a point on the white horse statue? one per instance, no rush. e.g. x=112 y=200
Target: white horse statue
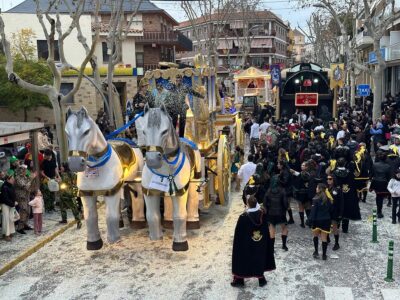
x=102 y=168
x=169 y=167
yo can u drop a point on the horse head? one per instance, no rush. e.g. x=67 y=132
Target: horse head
x=84 y=139
x=160 y=136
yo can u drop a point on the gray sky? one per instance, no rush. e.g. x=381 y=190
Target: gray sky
x=283 y=8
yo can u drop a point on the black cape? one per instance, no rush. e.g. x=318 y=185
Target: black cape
x=253 y=252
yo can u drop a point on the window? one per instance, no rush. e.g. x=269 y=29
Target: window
x=65 y=88
x=106 y=57
x=43 y=51
x=139 y=59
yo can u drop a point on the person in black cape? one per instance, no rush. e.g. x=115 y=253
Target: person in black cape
x=252 y=253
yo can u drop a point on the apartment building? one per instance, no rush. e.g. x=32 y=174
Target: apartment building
x=267 y=33
x=390 y=48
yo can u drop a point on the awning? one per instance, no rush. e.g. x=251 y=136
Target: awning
x=225 y=44
x=261 y=43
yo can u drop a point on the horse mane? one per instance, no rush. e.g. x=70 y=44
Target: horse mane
x=80 y=116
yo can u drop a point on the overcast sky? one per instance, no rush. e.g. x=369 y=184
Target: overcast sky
x=283 y=8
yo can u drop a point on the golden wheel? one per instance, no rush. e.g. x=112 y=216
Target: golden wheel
x=223 y=170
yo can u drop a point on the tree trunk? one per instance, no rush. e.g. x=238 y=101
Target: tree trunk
x=60 y=128
x=352 y=88
x=377 y=79
x=110 y=93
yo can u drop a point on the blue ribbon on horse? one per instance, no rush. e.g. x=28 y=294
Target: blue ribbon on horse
x=126 y=126
x=102 y=160
x=172 y=184
x=172 y=163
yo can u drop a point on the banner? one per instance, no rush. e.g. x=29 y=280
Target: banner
x=276 y=75
x=337 y=78
x=306 y=99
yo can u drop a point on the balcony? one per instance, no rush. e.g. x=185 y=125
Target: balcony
x=174 y=38
x=363 y=40
x=393 y=52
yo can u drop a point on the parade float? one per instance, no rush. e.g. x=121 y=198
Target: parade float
x=214 y=129
x=186 y=173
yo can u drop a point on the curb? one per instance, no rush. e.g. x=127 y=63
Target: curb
x=35 y=248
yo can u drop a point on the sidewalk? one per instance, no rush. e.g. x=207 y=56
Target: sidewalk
x=22 y=242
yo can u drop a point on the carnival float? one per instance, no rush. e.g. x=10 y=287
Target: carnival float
x=187 y=174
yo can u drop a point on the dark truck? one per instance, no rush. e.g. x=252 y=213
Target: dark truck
x=250 y=106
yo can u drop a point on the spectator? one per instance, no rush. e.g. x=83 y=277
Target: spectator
x=246 y=171
x=8 y=202
x=49 y=171
x=37 y=207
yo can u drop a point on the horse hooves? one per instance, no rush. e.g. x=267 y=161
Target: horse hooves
x=168 y=224
x=97 y=245
x=138 y=224
x=192 y=225
x=184 y=246
x=121 y=224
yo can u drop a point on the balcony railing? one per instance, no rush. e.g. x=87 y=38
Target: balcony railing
x=363 y=39
x=181 y=42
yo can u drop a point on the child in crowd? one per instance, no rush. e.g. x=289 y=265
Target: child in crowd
x=37 y=207
x=394 y=189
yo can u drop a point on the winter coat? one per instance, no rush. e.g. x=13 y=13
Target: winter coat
x=7 y=194
x=276 y=202
x=37 y=205
x=381 y=171
x=320 y=210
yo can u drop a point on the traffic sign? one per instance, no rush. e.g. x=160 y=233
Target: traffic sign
x=363 y=90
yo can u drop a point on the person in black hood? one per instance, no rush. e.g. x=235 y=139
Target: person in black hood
x=362 y=171
x=321 y=218
x=381 y=174
x=285 y=181
x=301 y=183
x=344 y=177
x=252 y=252
x=337 y=209
x=276 y=205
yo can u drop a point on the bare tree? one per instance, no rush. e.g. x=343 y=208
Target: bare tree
x=208 y=19
x=324 y=38
x=118 y=31
x=245 y=14
x=51 y=16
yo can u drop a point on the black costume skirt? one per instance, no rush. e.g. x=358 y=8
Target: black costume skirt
x=323 y=225
x=302 y=198
x=351 y=208
x=361 y=184
x=277 y=220
x=380 y=187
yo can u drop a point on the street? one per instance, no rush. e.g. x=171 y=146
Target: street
x=139 y=268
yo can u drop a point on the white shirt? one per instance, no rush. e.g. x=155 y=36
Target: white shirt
x=319 y=127
x=255 y=131
x=264 y=127
x=341 y=134
x=245 y=172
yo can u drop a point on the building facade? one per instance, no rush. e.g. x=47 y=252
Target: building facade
x=390 y=49
x=265 y=35
x=151 y=39
x=299 y=46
